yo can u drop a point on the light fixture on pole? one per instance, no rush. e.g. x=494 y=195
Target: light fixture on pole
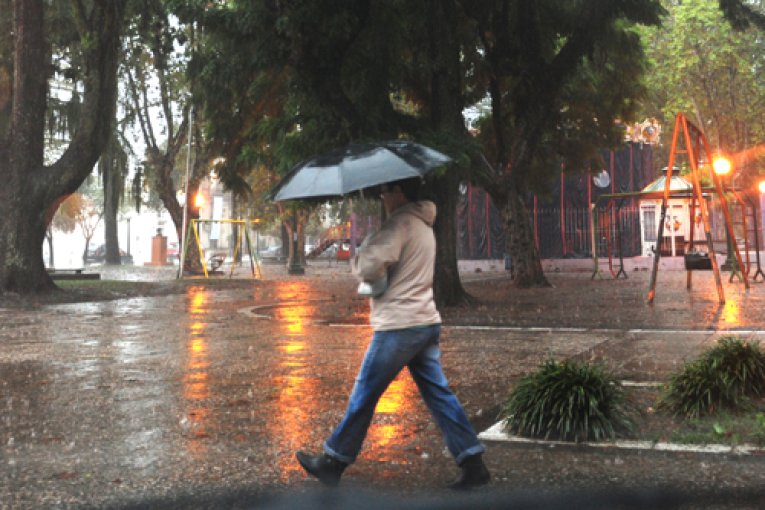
x=185 y=221
x=199 y=200
x=722 y=167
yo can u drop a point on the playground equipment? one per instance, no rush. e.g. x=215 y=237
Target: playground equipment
x=689 y=140
x=346 y=237
x=217 y=259
x=695 y=146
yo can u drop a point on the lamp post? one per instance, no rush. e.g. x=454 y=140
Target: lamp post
x=722 y=168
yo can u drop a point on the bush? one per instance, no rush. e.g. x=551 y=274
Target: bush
x=567 y=401
x=724 y=377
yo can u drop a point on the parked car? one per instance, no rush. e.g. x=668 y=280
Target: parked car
x=98 y=256
x=272 y=252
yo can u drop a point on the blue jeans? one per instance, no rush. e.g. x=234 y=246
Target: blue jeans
x=388 y=353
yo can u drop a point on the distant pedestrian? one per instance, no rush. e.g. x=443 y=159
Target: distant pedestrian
x=406 y=327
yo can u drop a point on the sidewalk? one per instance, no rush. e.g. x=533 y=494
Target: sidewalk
x=201 y=399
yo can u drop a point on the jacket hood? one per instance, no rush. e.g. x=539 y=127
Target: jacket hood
x=423 y=209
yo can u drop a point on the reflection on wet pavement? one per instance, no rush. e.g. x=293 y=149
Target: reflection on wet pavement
x=196 y=390
x=142 y=396
x=300 y=400
x=296 y=385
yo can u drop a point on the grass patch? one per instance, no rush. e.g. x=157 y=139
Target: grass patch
x=106 y=285
x=724 y=428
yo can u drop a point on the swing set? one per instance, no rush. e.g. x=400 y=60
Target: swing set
x=689 y=140
x=216 y=260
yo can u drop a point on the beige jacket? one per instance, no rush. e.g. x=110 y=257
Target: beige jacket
x=405 y=246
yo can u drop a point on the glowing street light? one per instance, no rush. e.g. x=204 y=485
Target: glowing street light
x=199 y=200
x=761 y=186
x=721 y=166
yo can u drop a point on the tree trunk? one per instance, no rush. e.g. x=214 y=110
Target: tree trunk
x=49 y=238
x=22 y=233
x=163 y=185
x=6 y=65
x=447 y=286
x=112 y=191
x=446 y=116
x=85 y=251
x=113 y=168
x=289 y=249
x=30 y=188
x=527 y=266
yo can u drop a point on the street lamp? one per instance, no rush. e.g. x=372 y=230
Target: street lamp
x=722 y=167
x=199 y=200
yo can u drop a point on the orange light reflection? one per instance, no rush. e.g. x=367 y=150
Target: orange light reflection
x=300 y=401
x=196 y=388
x=297 y=403
x=389 y=426
x=731 y=312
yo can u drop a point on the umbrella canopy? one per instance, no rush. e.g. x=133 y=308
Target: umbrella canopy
x=355 y=167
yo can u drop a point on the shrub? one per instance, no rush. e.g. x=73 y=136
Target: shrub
x=567 y=401
x=724 y=377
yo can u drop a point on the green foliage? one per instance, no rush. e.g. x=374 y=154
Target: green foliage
x=569 y=401
x=724 y=377
x=719 y=85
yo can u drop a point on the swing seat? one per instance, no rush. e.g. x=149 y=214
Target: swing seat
x=216 y=261
x=697 y=260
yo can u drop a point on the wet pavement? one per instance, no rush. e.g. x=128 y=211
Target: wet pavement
x=200 y=399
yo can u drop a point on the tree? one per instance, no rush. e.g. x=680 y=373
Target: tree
x=719 y=85
x=64 y=220
x=6 y=65
x=30 y=187
x=156 y=82
x=87 y=216
x=113 y=169
x=558 y=75
x=284 y=81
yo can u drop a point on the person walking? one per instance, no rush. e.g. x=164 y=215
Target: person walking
x=407 y=328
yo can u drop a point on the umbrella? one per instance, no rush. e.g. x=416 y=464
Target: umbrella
x=355 y=167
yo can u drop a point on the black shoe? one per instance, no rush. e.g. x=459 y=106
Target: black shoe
x=323 y=467
x=474 y=474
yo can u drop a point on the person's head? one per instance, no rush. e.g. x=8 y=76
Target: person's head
x=398 y=193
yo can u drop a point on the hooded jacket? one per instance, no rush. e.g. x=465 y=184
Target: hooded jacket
x=405 y=247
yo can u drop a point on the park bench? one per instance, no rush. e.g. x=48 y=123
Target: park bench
x=75 y=273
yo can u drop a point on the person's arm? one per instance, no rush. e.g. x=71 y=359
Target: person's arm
x=377 y=253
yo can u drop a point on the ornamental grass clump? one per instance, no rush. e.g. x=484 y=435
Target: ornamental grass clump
x=567 y=401
x=727 y=376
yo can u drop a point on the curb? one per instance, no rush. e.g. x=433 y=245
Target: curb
x=496 y=433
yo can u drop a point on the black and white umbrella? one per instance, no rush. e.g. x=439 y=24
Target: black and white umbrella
x=355 y=167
